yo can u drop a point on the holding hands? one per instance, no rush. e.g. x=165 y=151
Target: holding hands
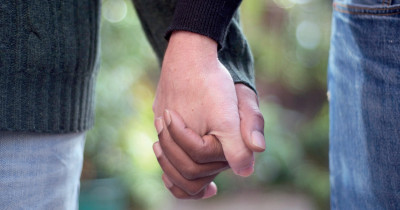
x=204 y=121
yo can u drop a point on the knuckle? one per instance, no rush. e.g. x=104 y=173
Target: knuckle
x=209 y=151
x=194 y=189
x=189 y=172
x=179 y=195
x=198 y=152
x=258 y=116
x=204 y=153
x=242 y=158
x=197 y=155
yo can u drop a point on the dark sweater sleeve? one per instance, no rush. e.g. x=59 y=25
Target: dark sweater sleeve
x=157 y=15
x=206 y=17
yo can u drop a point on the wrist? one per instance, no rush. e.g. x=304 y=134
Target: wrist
x=193 y=43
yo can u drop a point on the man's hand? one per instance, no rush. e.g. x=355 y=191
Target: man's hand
x=198 y=87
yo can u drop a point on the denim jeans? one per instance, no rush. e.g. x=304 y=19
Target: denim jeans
x=364 y=87
x=40 y=171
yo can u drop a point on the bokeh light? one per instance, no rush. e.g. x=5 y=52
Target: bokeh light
x=308 y=34
x=114 y=10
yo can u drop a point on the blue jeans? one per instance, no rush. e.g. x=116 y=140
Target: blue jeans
x=364 y=87
x=40 y=171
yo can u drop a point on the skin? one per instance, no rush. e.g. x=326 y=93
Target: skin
x=187 y=174
x=205 y=122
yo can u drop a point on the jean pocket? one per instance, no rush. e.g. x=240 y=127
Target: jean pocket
x=365 y=39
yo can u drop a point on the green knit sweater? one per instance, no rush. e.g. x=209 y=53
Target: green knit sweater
x=49 y=59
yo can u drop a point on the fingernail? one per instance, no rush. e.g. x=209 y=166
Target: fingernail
x=258 y=139
x=247 y=171
x=157 y=149
x=167 y=117
x=210 y=191
x=168 y=184
x=159 y=125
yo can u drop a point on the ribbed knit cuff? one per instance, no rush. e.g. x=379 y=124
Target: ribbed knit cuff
x=45 y=103
x=206 y=17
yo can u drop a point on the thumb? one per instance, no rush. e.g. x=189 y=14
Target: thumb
x=238 y=155
x=251 y=119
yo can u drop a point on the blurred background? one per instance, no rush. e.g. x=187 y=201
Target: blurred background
x=290 y=43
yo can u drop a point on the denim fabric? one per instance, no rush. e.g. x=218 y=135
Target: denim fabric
x=364 y=87
x=40 y=171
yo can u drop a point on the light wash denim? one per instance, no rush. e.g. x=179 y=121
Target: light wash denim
x=364 y=87
x=40 y=171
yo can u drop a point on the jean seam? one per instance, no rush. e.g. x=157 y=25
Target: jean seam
x=364 y=13
x=348 y=9
x=365 y=8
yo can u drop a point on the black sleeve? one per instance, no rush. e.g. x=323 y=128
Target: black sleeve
x=156 y=16
x=206 y=17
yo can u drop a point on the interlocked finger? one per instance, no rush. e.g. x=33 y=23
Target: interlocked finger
x=191 y=187
x=204 y=149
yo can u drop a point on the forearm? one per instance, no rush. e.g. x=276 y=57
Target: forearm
x=156 y=17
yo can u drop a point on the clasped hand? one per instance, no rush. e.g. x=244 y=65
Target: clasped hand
x=205 y=123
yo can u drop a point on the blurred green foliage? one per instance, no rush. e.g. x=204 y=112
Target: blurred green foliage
x=290 y=41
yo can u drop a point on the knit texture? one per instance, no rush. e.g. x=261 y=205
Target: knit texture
x=207 y=17
x=48 y=65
